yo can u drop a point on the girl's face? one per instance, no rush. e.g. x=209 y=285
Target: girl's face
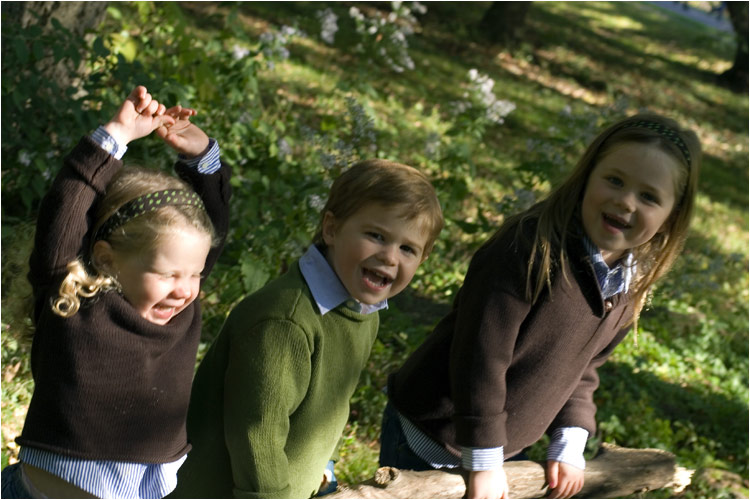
x=629 y=197
x=374 y=252
x=162 y=281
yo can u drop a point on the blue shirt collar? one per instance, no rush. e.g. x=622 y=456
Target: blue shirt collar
x=326 y=288
x=611 y=281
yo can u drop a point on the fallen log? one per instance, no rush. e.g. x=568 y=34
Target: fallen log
x=614 y=473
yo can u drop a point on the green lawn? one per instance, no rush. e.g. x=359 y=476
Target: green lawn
x=683 y=388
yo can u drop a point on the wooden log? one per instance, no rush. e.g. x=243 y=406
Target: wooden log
x=614 y=473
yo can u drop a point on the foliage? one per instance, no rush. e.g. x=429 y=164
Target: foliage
x=35 y=122
x=493 y=130
x=383 y=39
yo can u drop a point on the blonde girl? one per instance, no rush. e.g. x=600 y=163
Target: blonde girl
x=118 y=260
x=544 y=303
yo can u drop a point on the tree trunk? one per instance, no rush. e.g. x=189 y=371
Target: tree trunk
x=736 y=77
x=504 y=22
x=77 y=17
x=614 y=473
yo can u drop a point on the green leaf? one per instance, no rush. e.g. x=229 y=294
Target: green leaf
x=254 y=276
x=21 y=50
x=38 y=50
x=114 y=12
x=99 y=48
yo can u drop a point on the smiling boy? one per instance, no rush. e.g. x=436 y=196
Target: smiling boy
x=271 y=397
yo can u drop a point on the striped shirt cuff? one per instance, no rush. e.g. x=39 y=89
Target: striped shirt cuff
x=481 y=458
x=108 y=478
x=567 y=445
x=108 y=143
x=207 y=163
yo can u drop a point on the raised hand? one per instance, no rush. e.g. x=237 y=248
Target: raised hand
x=137 y=117
x=182 y=135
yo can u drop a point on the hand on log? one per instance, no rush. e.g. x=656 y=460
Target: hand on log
x=614 y=473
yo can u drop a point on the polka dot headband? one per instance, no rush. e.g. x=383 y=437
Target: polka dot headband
x=145 y=204
x=664 y=131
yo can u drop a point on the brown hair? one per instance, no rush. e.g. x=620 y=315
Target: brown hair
x=558 y=212
x=139 y=233
x=390 y=184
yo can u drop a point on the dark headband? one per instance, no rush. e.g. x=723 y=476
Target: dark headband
x=145 y=204
x=664 y=131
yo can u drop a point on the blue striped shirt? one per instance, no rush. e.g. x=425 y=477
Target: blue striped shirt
x=107 y=478
x=566 y=443
x=611 y=281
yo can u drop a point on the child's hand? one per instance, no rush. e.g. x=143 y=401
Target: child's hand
x=564 y=479
x=487 y=484
x=182 y=135
x=138 y=116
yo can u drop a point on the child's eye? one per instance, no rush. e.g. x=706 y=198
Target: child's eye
x=650 y=198
x=614 y=180
x=374 y=235
x=408 y=249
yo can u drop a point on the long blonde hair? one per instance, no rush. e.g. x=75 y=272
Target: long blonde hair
x=84 y=278
x=559 y=215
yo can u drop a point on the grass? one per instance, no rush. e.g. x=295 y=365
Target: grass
x=684 y=388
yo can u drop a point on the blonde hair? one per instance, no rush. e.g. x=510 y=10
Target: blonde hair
x=142 y=232
x=559 y=214
x=390 y=184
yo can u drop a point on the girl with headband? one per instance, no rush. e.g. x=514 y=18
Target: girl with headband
x=117 y=265
x=543 y=305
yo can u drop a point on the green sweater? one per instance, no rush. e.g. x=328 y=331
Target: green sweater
x=271 y=397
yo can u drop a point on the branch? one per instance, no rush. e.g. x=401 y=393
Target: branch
x=614 y=473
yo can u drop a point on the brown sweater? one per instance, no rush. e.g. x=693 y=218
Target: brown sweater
x=109 y=385
x=498 y=371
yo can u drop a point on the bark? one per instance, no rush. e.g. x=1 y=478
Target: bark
x=614 y=473
x=504 y=22
x=78 y=17
x=736 y=77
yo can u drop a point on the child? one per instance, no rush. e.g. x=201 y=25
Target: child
x=116 y=267
x=271 y=397
x=544 y=303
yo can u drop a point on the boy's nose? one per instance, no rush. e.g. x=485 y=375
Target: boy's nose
x=388 y=255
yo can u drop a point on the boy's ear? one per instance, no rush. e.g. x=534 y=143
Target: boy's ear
x=102 y=256
x=329 y=227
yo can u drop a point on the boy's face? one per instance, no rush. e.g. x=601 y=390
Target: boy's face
x=375 y=252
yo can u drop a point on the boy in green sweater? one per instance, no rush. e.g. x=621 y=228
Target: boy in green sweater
x=271 y=397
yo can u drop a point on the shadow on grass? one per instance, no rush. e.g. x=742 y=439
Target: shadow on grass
x=697 y=425
x=725 y=181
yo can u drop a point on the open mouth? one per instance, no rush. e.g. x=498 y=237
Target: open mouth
x=375 y=279
x=163 y=312
x=616 y=222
